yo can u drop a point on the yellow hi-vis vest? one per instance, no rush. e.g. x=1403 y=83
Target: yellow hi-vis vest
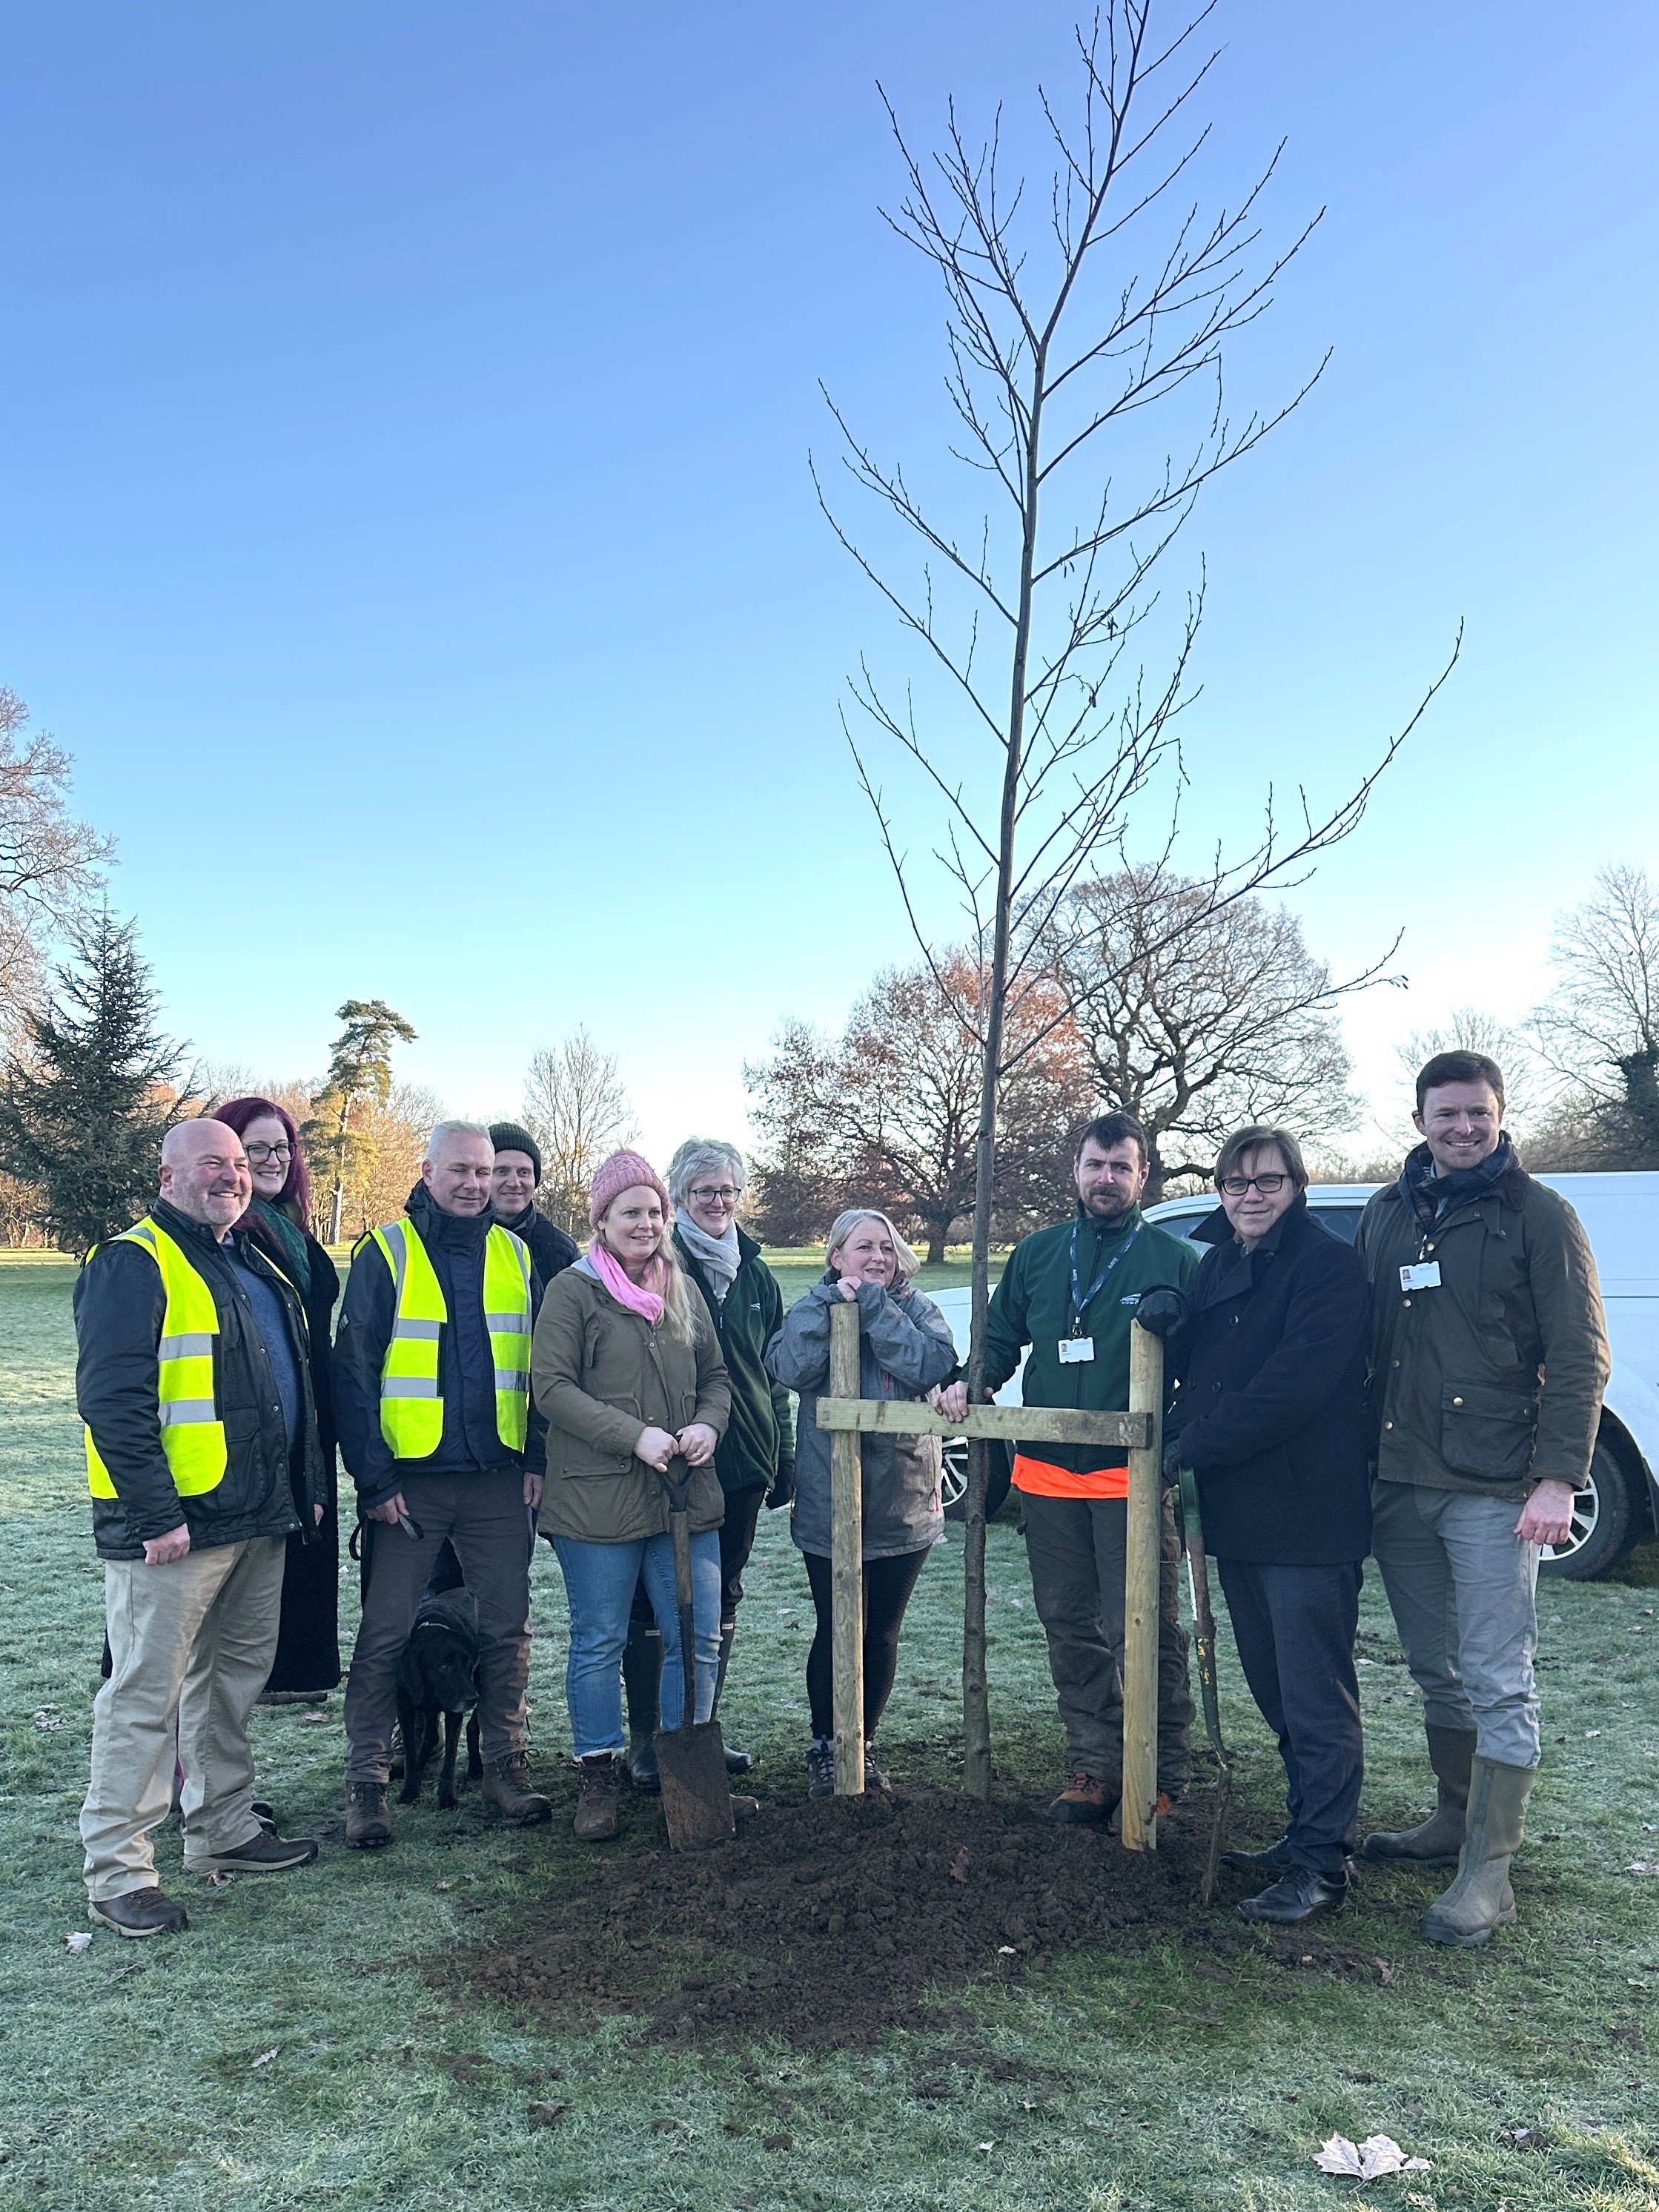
x=412 y=1411
x=192 y=1434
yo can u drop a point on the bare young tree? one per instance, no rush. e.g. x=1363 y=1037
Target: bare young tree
x=578 y=1111
x=888 y=1114
x=50 y=864
x=1198 y=1017
x=1599 y=1031
x=1069 y=316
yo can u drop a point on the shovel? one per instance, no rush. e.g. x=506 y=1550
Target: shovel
x=696 y=1793
x=1198 y=1582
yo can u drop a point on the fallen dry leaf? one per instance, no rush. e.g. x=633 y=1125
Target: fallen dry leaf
x=265 y=2056
x=1364 y=2161
x=448 y=1881
x=47 y=1719
x=544 y=2113
x=75 y=1944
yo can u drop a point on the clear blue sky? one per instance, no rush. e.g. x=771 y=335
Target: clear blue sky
x=407 y=524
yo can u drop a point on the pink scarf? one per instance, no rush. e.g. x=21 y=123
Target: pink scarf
x=609 y=1270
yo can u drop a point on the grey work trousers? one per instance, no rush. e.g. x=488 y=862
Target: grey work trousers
x=485 y=1518
x=1076 y=1546
x=190 y=1646
x=1463 y=1588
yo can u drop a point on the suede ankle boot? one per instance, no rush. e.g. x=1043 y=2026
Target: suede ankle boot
x=1438 y=1840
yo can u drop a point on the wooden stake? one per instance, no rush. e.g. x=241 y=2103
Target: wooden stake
x=1140 y=1579
x=847 y=1559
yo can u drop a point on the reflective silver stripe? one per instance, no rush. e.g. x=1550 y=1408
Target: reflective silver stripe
x=192 y=1344
x=408 y=1386
x=394 y=1234
x=428 y=1331
x=176 y=1412
x=513 y=1324
x=509 y=1378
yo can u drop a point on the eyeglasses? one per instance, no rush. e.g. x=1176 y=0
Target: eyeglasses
x=259 y=1154
x=725 y=1196
x=1236 y=1186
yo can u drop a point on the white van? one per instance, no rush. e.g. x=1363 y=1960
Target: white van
x=1619 y=1505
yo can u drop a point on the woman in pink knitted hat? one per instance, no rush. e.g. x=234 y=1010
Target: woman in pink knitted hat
x=627 y=1368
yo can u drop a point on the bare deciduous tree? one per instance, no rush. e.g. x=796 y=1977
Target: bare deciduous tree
x=888 y=1114
x=1198 y=1017
x=578 y=1111
x=1470 y=1029
x=50 y=864
x=1599 y=1031
x=1069 y=316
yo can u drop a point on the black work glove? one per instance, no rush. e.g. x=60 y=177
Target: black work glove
x=1160 y=1313
x=783 y=1488
x=1174 y=1458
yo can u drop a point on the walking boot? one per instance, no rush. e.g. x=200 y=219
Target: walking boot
x=369 y=1824
x=641 y=1678
x=821 y=1768
x=1481 y=1899
x=1439 y=1840
x=139 y=1912
x=596 y=1808
x=266 y=1853
x=1085 y=1802
x=737 y=1762
x=506 y=1787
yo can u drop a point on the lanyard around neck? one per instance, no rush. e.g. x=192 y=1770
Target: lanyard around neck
x=1082 y=1300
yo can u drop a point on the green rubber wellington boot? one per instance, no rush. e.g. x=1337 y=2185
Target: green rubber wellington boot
x=1481 y=1899
x=1438 y=1840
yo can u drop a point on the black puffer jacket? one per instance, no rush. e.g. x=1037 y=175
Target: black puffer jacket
x=118 y=1306
x=470 y=1443
x=1271 y=1410
x=551 y=1250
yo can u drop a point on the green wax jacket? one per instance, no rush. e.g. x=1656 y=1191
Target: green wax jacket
x=1032 y=1305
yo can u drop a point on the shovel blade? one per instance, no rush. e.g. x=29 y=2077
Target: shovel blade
x=696 y=1792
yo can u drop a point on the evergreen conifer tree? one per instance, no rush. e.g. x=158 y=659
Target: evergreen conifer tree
x=94 y=1089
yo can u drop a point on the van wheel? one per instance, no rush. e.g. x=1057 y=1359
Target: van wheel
x=953 y=1480
x=1604 y=1524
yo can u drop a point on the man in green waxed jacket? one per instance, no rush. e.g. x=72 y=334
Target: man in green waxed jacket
x=1070 y=1294
x=1488 y=1360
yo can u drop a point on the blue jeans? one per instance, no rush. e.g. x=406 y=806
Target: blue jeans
x=599 y=1581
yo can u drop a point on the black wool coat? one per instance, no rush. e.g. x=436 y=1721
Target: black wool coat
x=1271 y=1412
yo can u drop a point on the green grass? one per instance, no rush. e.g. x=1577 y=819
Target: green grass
x=1163 y=2080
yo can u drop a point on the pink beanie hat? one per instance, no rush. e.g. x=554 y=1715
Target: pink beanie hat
x=623 y=1171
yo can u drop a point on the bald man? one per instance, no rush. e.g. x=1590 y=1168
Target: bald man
x=203 y=1459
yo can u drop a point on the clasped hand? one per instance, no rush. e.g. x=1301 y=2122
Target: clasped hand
x=695 y=1444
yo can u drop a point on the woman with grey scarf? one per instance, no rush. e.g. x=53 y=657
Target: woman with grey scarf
x=755 y=1459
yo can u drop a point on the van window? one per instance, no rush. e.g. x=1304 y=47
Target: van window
x=1342 y=1221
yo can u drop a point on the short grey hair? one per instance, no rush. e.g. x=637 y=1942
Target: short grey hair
x=700 y=1156
x=844 y=1224
x=442 y=1129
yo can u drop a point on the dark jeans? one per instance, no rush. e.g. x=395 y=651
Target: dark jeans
x=1295 y=1628
x=1076 y=1547
x=485 y=1517
x=736 y=1535
x=887 y=1586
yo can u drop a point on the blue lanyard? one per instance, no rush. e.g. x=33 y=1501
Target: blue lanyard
x=1080 y=1303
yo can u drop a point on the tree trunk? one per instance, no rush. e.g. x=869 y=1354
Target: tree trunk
x=936 y=1247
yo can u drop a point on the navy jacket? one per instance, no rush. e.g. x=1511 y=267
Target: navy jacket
x=470 y=1443
x=551 y=1250
x=1272 y=1410
x=265 y=1491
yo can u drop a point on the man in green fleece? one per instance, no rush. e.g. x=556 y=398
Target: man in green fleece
x=1070 y=1293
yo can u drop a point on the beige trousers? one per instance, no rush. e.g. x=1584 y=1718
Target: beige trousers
x=192 y=1643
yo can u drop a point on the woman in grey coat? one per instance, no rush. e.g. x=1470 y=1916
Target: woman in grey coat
x=905 y=1351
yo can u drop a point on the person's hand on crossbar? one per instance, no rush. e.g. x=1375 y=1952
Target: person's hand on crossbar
x=950 y=1399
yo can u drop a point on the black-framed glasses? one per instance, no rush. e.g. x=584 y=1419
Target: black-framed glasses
x=1236 y=1186
x=259 y=1154
x=725 y=1195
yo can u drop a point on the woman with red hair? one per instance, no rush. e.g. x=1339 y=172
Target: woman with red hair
x=308 y=1662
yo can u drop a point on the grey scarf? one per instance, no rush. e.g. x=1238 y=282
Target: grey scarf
x=718 y=1256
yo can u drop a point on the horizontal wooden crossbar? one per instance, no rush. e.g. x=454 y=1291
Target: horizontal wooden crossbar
x=1037 y=1424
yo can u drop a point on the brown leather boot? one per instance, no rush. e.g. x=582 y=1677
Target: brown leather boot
x=506 y=1786
x=139 y=1912
x=369 y=1824
x=596 y=1808
x=1085 y=1802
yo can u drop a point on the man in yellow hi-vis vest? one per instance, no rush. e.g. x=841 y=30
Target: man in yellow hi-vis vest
x=202 y=1460
x=432 y=1401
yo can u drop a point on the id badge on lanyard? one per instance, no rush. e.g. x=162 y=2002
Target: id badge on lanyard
x=1076 y=1349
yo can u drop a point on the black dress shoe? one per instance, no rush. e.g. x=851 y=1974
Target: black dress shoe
x=1298 y=1894
x=1275 y=1859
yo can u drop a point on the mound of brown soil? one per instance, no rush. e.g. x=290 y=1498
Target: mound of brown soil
x=824 y=1922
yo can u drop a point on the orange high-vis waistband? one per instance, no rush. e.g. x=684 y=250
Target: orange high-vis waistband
x=1038 y=1478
